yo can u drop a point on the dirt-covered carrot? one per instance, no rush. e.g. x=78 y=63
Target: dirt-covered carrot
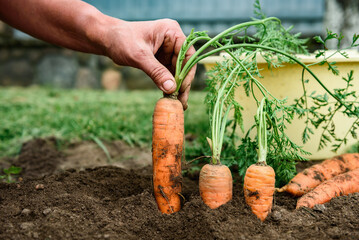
x=215 y=185
x=311 y=177
x=168 y=137
x=340 y=185
x=215 y=179
x=167 y=145
x=259 y=184
x=259 y=180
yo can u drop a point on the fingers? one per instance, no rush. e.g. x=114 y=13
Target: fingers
x=185 y=88
x=167 y=55
x=160 y=75
x=186 y=84
x=183 y=98
x=172 y=42
x=154 y=49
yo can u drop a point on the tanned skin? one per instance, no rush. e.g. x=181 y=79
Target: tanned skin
x=152 y=46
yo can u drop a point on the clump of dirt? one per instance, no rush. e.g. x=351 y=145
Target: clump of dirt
x=86 y=154
x=38 y=157
x=113 y=203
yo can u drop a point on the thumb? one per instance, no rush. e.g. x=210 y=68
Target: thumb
x=160 y=75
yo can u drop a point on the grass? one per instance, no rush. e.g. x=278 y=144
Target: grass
x=75 y=115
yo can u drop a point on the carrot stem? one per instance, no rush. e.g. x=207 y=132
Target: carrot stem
x=262 y=133
x=192 y=61
x=219 y=117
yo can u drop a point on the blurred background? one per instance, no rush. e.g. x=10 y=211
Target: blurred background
x=25 y=61
x=48 y=91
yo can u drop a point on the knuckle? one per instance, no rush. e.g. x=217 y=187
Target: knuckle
x=186 y=86
x=170 y=24
x=157 y=74
x=138 y=56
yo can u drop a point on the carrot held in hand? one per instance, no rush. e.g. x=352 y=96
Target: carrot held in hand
x=168 y=135
x=167 y=145
x=311 y=177
x=340 y=185
x=259 y=180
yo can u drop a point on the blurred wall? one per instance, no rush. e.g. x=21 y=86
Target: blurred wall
x=217 y=15
x=342 y=16
x=26 y=61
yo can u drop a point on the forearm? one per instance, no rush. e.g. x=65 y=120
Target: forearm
x=68 y=23
x=152 y=46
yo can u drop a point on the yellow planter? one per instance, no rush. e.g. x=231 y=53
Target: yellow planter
x=285 y=82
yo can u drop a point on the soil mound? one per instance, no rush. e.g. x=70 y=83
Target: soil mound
x=109 y=202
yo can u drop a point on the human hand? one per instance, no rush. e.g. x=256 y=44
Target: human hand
x=152 y=46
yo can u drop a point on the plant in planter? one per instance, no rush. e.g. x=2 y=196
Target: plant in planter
x=277 y=46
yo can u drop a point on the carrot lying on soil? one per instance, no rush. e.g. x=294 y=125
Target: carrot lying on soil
x=311 y=177
x=215 y=185
x=167 y=145
x=259 y=180
x=340 y=185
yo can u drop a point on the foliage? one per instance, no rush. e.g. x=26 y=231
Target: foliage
x=75 y=115
x=278 y=46
x=346 y=100
x=9 y=172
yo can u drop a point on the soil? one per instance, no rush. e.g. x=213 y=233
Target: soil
x=60 y=200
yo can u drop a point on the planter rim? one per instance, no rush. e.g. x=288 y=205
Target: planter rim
x=353 y=56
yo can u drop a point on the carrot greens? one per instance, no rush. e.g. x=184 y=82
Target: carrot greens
x=278 y=46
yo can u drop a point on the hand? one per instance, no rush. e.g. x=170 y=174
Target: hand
x=152 y=46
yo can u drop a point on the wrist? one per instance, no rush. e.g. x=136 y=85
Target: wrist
x=97 y=30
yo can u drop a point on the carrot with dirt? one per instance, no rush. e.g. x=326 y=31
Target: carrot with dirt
x=167 y=145
x=277 y=46
x=215 y=179
x=311 y=177
x=215 y=185
x=167 y=142
x=340 y=185
x=259 y=180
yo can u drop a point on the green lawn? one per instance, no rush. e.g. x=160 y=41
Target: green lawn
x=73 y=115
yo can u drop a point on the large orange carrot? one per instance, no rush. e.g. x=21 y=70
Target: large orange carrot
x=167 y=145
x=259 y=181
x=258 y=188
x=311 y=177
x=215 y=185
x=340 y=185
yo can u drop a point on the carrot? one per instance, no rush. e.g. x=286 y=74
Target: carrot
x=215 y=185
x=258 y=187
x=340 y=185
x=259 y=180
x=167 y=145
x=215 y=179
x=311 y=177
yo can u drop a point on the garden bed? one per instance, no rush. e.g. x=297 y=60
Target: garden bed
x=58 y=199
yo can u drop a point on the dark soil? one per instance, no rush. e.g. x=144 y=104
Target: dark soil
x=114 y=203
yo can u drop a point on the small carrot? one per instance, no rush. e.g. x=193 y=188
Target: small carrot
x=340 y=185
x=215 y=179
x=215 y=185
x=259 y=180
x=311 y=177
x=258 y=187
x=167 y=145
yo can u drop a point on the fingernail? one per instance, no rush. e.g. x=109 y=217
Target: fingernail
x=168 y=85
